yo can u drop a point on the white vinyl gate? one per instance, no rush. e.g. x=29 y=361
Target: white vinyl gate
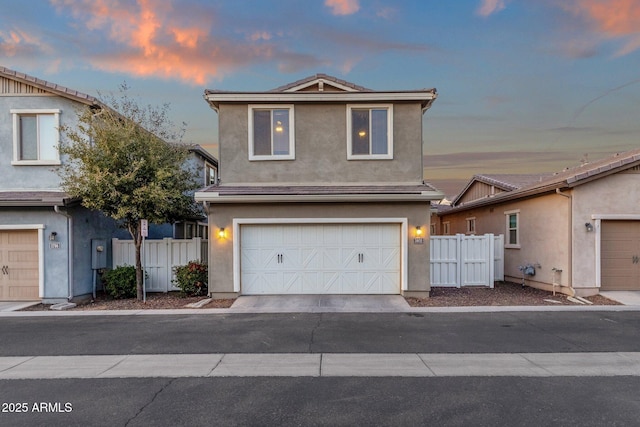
x=159 y=258
x=462 y=260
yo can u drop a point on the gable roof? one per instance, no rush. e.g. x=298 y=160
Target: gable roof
x=568 y=178
x=313 y=89
x=505 y=182
x=321 y=80
x=43 y=86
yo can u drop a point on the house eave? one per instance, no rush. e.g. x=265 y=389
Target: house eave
x=216 y=98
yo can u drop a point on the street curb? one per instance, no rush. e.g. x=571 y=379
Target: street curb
x=227 y=311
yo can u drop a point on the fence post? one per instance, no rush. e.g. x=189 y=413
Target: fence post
x=460 y=261
x=490 y=260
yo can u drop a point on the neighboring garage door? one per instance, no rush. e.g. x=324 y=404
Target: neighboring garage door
x=19 y=265
x=620 y=256
x=320 y=259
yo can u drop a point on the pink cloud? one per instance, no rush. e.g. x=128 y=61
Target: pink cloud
x=613 y=19
x=489 y=7
x=154 y=39
x=342 y=7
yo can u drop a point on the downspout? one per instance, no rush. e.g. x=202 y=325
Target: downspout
x=56 y=208
x=570 y=236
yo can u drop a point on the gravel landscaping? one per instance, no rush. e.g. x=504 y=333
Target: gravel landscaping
x=503 y=294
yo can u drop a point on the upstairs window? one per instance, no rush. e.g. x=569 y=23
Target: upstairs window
x=271 y=132
x=36 y=137
x=369 y=132
x=211 y=175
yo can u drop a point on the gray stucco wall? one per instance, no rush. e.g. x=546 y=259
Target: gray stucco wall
x=321 y=149
x=21 y=176
x=86 y=225
x=221 y=250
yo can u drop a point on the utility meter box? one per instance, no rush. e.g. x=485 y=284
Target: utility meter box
x=98 y=254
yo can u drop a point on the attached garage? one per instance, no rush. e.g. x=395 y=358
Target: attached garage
x=19 y=264
x=327 y=258
x=620 y=255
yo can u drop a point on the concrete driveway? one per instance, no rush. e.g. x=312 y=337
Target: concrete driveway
x=320 y=304
x=16 y=305
x=623 y=297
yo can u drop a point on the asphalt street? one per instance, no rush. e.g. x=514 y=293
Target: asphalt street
x=342 y=399
x=511 y=332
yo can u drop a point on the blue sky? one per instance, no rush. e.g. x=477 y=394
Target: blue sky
x=524 y=86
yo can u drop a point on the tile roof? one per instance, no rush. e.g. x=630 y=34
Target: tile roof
x=32 y=198
x=568 y=178
x=48 y=86
x=295 y=190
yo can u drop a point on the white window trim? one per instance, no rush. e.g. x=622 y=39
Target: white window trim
x=208 y=166
x=389 y=155
x=16 y=136
x=469 y=221
x=292 y=143
x=506 y=240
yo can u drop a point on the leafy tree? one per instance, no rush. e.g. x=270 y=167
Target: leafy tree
x=118 y=161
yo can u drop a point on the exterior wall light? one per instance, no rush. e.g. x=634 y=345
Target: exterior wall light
x=221 y=233
x=418 y=231
x=52 y=236
x=588 y=226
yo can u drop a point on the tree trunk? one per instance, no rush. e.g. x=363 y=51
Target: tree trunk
x=135 y=231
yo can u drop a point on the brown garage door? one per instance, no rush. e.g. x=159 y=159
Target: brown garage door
x=19 y=265
x=620 y=256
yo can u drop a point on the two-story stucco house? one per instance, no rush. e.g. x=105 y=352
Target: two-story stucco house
x=321 y=191
x=45 y=238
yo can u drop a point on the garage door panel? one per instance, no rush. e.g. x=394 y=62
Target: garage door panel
x=19 y=254
x=320 y=259
x=620 y=251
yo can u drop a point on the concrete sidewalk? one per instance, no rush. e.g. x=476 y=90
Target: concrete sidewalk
x=322 y=365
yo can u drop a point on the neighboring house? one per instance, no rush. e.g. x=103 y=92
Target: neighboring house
x=45 y=238
x=579 y=229
x=206 y=167
x=322 y=191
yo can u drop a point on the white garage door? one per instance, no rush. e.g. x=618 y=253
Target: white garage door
x=320 y=259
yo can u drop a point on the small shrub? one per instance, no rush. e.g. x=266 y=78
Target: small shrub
x=192 y=278
x=120 y=283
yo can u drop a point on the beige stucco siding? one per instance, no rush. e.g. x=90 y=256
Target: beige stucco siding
x=617 y=194
x=544 y=236
x=321 y=149
x=221 y=259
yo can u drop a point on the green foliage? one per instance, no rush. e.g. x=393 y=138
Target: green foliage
x=120 y=283
x=117 y=160
x=192 y=278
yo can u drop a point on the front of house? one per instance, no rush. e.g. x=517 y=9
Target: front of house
x=46 y=240
x=321 y=191
x=578 y=230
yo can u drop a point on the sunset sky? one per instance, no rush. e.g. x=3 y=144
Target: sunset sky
x=524 y=85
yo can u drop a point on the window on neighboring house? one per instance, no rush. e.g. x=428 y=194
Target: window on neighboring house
x=36 y=137
x=211 y=175
x=434 y=229
x=446 y=228
x=271 y=132
x=513 y=229
x=369 y=132
x=471 y=225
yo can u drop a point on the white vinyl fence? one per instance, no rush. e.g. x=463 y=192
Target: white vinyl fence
x=159 y=258
x=462 y=260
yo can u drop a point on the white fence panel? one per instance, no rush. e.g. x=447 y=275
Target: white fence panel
x=159 y=258
x=498 y=255
x=466 y=260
